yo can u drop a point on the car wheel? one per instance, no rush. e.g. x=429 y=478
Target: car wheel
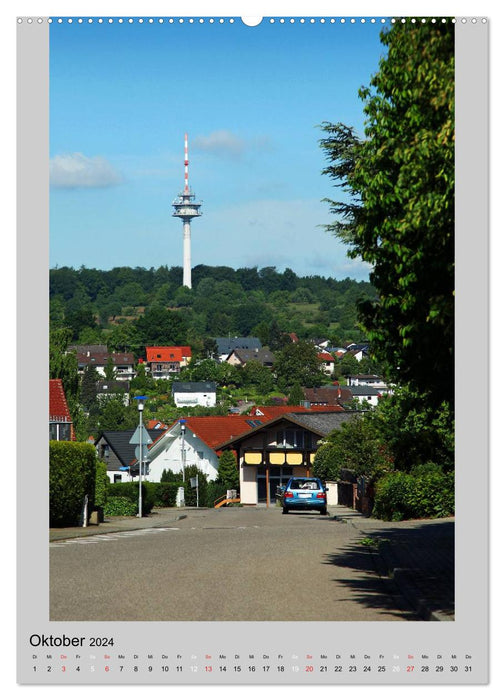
x=323 y=511
x=285 y=511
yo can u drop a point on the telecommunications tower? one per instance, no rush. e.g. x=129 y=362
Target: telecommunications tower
x=186 y=209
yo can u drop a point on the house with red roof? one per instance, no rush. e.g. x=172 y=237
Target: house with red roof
x=327 y=362
x=197 y=440
x=194 y=440
x=60 y=420
x=164 y=361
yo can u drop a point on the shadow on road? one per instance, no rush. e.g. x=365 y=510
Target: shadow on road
x=414 y=562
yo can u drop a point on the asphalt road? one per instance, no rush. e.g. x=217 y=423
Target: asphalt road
x=226 y=564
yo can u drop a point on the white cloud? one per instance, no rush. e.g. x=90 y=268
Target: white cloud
x=73 y=170
x=222 y=142
x=225 y=144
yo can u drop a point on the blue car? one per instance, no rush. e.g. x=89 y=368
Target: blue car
x=304 y=493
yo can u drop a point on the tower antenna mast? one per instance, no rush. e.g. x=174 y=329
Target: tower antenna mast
x=186 y=208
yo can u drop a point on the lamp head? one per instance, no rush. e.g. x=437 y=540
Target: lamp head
x=141 y=402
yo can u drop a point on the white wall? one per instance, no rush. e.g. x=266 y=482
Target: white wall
x=194 y=399
x=171 y=457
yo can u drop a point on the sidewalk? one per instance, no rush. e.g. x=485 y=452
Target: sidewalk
x=160 y=518
x=418 y=555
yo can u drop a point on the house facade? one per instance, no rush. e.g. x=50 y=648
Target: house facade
x=194 y=393
x=123 y=362
x=165 y=361
x=280 y=448
x=326 y=362
x=225 y=346
x=114 y=448
x=239 y=358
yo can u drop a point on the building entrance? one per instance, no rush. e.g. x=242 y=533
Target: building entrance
x=278 y=476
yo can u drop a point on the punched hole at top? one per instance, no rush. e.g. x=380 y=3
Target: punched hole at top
x=251 y=21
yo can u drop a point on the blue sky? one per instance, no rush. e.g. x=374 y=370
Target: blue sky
x=123 y=95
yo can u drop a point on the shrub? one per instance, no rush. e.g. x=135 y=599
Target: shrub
x=325 y=464
x=214 y=491
x=228 y=474
x=101 y=484
x=72 y=475
x=427 y=468
x=120 y=505
x=190 y=492
x=429 y=493
x=166 y=494
x=129 y=490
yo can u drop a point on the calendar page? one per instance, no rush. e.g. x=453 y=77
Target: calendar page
x=253 y=252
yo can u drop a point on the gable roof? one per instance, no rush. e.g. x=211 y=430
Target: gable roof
x=226 y=345
x=58 y=407
x=319 y=422
x=270 y=412
x=214 y=430
x=101 y=358
x=325 y=357
x=329 y=395
x=167 y=353
x=365 y=390
x=193 y=387
x=262 y=355
x=119 y=443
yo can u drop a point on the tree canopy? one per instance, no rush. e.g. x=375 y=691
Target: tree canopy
x=399 y=211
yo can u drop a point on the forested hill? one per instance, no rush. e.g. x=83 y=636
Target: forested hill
x=104 y=305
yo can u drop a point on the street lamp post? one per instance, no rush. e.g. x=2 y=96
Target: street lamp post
x=182 y=431
x=141 y=403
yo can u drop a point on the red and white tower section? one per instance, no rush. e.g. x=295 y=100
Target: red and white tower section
x=186 y=209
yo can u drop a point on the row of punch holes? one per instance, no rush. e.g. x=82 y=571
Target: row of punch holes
x=232 y=20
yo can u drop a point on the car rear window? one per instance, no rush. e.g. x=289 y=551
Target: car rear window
x=305 y=484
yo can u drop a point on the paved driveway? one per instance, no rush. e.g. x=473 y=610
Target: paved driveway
x=226 y=564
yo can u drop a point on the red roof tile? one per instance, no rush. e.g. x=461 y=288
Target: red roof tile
x=168 y=353
x=214 y=430
x=58 y=407
x=270 y=412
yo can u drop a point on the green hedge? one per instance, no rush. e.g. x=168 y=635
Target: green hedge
x=72 y=476
x=101 y=485
x=129 y=490
x=166 y=494
x=213 y=492
x=120 y=505
x=426 y=493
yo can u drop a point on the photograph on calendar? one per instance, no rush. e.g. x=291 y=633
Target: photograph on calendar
x=251 y=361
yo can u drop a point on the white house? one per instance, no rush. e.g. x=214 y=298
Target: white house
x=192 y=441
x=194 y=393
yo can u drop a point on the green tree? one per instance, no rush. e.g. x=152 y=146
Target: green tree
x=356 y=446
x=110 y=369
x=399 y=213
x=160 y=326
x=227 y=471
x=63 y=364
x=256 y=375
x=298 y=363
x=88 y=389
x=296 y=396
